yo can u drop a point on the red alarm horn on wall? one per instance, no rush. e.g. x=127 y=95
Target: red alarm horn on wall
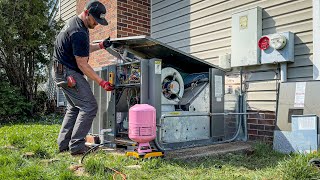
x=264 y=43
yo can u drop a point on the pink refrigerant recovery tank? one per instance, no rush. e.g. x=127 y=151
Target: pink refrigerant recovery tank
x=142 y=126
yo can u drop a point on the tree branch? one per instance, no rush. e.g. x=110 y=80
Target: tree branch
x=14 y=10
x=3 y=53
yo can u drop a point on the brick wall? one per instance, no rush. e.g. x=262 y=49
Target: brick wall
x=261 y=126
x=125 y=18
x=100 y=58
x=133 y=17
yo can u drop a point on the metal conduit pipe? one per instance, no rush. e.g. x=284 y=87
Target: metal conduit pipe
x=241 y=105
x=229 y=140
x=283 y=72
x=201 y=114
x=205 y=114
x=244 y=118
x=156 y=141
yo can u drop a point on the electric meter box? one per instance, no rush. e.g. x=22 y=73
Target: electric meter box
x=281 y=48
x=246 y=31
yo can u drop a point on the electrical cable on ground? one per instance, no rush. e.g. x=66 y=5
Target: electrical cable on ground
x=123 y=176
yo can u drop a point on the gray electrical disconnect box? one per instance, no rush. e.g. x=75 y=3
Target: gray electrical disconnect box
x=246 y=31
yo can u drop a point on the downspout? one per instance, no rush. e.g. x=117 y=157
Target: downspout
x=150 y=35
x=316 y=39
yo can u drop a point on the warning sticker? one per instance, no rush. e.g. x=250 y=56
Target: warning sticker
x=175 y=113
x=218 y=86
x=307 y=123
x=157 y=67
x=300 y=94
x=145 y=131
x=243 y=22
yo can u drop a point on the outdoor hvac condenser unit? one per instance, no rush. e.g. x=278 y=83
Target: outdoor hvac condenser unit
x=183 y=89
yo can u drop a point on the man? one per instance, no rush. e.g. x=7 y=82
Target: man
x=71 y=55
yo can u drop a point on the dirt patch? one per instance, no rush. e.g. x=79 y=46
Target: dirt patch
x=78 y=170
x=28 y=155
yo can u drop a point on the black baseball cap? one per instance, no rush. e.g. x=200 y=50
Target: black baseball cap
x=97 y=11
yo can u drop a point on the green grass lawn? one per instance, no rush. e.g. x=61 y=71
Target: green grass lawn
x=40 y=138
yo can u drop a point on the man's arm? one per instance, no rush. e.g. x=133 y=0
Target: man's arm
x=101 y=45
x=94 y=47
x=83 y=65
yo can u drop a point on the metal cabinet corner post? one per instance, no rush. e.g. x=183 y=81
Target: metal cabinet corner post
x=217 y=81
x=109 y=108
x=155 y=87
x=155 y=95
x=145 y=80
x=106 y=117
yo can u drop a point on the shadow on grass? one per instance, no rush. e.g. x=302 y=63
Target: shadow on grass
x=263 y=157
x=36 y=135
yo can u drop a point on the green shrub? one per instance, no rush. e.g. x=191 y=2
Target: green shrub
x=12 y=104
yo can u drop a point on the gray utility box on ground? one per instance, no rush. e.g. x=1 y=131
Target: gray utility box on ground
x=303 y=137
x=299 y=101
x=177 y=84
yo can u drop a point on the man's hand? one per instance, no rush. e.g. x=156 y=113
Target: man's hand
x=105 y=43
x=106 y=85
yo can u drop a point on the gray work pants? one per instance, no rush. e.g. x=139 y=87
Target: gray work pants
x=81 y=110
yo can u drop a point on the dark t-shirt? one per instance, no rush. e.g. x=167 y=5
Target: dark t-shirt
x=73 y=40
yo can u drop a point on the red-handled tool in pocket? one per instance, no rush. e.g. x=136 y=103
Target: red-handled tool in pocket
x=71 y=81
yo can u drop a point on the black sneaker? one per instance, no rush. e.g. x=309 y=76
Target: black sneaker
x=80 y=152
x=63 y=150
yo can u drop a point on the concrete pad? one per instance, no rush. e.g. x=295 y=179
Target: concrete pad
x=211 y=150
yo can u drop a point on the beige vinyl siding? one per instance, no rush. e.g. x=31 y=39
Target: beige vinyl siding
x=203 y=29
x=68 y=9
